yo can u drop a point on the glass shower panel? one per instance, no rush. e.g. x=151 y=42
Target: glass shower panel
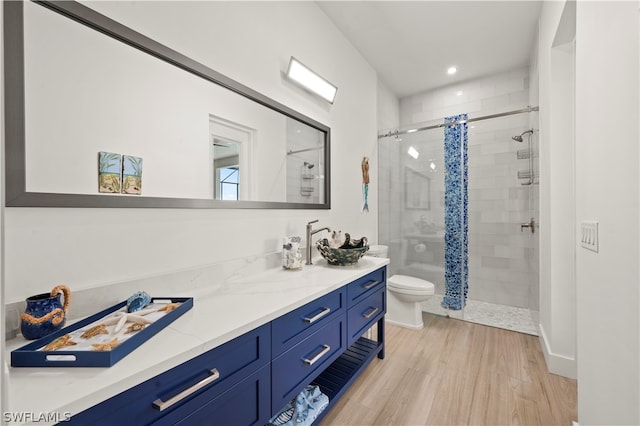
x=412 y=222
x=498 y=205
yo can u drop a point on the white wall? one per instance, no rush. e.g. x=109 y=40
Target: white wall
x=557 y=200
x=252 y=43
x=607 y=153
x=388 y=108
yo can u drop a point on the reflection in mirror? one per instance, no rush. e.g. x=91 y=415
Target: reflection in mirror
x=231 y=147
x=417 y=190
x=305 y=160
x=86 y=92
x=226 y=167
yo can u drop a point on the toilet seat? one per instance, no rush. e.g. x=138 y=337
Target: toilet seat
x=410 y=285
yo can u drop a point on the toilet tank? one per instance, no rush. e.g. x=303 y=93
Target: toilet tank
x=378 y=251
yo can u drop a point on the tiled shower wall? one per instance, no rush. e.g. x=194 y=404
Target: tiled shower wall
x=304 y=185
x=500 y=267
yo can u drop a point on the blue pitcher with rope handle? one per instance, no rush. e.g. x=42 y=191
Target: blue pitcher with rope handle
x=45 y=313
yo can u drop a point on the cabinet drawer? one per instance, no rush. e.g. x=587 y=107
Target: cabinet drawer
x=294 y=369
x=232 y=361
x=295 y=326
x=365 y=314
x=247 y=403
x=366 y=285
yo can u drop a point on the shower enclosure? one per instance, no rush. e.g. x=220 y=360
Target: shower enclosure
x=487 y=232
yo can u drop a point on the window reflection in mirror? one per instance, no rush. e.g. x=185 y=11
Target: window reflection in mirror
x=226 y=167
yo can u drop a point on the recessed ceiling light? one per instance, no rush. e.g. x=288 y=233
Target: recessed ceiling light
x=459 y=93
x=452 y=70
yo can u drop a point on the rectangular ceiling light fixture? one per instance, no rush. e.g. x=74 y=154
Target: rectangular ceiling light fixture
x=311 y=81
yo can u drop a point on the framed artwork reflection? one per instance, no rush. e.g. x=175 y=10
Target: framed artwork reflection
x=417 y=190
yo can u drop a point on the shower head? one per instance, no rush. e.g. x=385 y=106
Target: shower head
x=309 y=165
x=519 y=137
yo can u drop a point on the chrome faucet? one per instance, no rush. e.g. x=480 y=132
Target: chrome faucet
x=310 y=232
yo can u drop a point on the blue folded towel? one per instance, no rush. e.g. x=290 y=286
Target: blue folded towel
x=303 y=410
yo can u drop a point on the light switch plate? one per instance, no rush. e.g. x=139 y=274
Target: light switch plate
x=589 y=235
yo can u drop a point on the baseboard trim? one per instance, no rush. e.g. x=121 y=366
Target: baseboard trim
x=402 y=324
x=557 y=364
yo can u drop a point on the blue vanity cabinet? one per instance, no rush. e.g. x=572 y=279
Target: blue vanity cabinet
x=294 y=369
x=251 y=378
x=365 y=313
x=366 y=285
x=366 y=306
x=247 y=403
x=297 y=325
x=200 y=382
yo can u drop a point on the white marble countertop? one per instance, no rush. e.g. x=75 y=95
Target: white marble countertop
x=219 y=314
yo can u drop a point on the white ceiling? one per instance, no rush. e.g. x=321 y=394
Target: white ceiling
x=412 y=43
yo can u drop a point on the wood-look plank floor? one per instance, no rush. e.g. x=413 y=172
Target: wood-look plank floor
x=454 y=372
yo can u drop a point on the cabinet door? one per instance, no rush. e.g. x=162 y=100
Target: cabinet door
x=366 y=285
x=218 y=370
x=364 y=314
x=291 y=328
x=294 y=369
x=247 y=403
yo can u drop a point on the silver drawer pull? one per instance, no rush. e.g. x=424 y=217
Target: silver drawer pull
x=315 y=318
x=371 y=313
x=163 y=405
x=315 y=359
x=370 y=284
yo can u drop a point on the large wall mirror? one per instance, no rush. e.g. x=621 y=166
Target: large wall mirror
x=98 y=115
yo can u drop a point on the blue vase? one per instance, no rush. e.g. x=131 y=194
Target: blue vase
x=44 y=313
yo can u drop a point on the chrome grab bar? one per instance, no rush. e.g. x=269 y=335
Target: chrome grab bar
x=163 y=405
x=371 y=313
x=370 y=284
x=325 y=350
x=316 y=317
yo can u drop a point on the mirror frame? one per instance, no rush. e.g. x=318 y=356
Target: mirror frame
x=16 y=194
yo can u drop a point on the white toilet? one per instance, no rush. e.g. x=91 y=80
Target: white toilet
x=404 y=295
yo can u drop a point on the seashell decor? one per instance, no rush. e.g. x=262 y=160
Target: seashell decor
x=342 y=253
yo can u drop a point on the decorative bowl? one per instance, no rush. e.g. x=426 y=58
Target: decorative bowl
x=341 y=256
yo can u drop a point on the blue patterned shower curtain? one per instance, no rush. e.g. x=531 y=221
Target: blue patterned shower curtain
x=455 y=215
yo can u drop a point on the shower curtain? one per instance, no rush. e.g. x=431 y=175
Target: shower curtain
x=456 y=215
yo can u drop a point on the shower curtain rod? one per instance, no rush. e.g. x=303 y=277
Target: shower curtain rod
x=453 y=123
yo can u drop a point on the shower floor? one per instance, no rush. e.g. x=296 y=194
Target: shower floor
x=494 y=315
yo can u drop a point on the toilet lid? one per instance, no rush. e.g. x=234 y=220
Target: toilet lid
x=410 y=283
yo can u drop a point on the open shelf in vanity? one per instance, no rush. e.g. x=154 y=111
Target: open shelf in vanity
x=336 y=379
